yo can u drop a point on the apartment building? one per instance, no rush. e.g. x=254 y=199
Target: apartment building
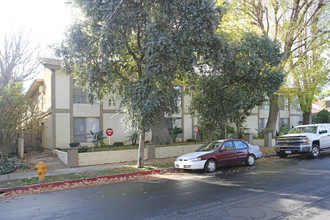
x=67 y=116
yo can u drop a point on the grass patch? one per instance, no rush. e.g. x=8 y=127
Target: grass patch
x=267 y=150
x=128 y=147
x=71 y=176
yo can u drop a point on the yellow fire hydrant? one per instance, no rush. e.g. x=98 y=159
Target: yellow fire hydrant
x=41 y=171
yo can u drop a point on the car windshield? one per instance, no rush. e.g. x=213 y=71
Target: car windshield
x=212 y=146
x=305 y=129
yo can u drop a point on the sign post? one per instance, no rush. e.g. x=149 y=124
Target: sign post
x=195 y=131
x=109 y=132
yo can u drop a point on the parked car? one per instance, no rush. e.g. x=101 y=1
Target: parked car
x=219 y=153
x=304 y=139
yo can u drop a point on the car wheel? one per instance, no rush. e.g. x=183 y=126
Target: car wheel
x=315 y=151
x=250 y=160
x=282 y=155
x=210 y=166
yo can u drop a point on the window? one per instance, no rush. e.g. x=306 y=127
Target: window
x=82 y=128
x=284 y=121
x=264 y=105
x=283 y=103
x=79 y=95
x=228 y=145
x=262 y=123
x=240 y=145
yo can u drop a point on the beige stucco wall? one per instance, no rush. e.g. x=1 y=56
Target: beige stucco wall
x=62 y=156
x=284 y=114
x=263 y=113
x=47 y=89
x=294 y=120
x=86 y=159
x=47 y=132
x=62 y=90
x=112 y=120
x=252 y=123
x=62 y=130
x=165 y=152
x=86 y=110
x=188 y=130
x=113 y=104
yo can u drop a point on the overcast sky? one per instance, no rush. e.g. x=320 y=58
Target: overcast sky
x=46 y=20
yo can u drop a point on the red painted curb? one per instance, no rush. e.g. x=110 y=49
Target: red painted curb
x=90 y=179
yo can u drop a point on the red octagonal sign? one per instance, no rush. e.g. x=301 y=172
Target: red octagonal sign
x=109 y=131
x=195 y=129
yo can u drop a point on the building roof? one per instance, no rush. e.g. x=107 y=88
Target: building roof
x=318 y=106
x=50 y=62
x=34 y=87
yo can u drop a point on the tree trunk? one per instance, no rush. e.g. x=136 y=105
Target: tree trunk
x=140 y=162
x=307 y=118
x=160 y=133
x=273 y=112
x=209 y=138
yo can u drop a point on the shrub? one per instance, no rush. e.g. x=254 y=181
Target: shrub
x=174 y=132
x=190 y=140
x=8 y=166
x=74 y=144
x=82 y=149
x=118 y=144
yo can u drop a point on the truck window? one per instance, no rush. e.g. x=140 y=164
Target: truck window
x=304 y=129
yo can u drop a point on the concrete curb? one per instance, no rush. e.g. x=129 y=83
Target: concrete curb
x=271 y=155
x=90 y=179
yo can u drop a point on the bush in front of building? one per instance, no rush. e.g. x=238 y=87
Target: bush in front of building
x=118 y=144
x=74 y=144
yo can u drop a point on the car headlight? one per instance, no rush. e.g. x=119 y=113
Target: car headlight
x=194 y=159
x=305 y=139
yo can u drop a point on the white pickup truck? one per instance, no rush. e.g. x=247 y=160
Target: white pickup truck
x=304 y=139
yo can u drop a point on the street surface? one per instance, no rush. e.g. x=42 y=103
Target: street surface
x=291 y=188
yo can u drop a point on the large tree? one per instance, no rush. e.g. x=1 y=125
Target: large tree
x=139 y=48
x=251 y=72
x=17 y=63
x=290 y=22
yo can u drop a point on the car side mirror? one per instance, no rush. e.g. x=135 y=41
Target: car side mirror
x=223 y=149
x=323 y=131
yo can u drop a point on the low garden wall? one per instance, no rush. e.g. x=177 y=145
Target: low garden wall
x=62 y=156
x=103 y=157
x=261 y=142
x=119 y=156
x=174 y=151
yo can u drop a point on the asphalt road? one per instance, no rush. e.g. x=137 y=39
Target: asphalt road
x=290 y=188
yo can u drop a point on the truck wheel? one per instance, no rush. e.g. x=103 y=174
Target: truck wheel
x=315 y=151
x=282 y=155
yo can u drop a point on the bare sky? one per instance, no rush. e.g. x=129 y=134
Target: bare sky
x=45 y=20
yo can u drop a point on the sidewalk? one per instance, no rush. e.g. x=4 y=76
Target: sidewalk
x=54 y=172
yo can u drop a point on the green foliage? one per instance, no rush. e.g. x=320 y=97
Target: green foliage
x=322 y=117
x=97 y=137
x=230 y=92
x=133 y=137
x=82 y=149
x=140 y=48
x=284 y=128
x=13 y=109
x=174 y=132
x=190 y=140
x=74 y=144
x=118 y=144
x=8 y=166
